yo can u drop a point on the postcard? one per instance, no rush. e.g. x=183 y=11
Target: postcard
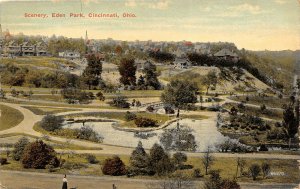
x=149 y=94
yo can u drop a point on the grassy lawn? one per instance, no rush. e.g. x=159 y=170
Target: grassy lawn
x=77 y=163
x=10 y=117
x=47 y=110
x=49 y=62
x=271 y=101
x=255 y=111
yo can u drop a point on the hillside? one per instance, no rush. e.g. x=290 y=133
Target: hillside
x=229 y=80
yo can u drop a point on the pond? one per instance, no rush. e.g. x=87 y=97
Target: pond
x=205 y=132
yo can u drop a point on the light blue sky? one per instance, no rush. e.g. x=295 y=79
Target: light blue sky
x=251 y=24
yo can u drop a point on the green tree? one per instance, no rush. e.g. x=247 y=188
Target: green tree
x=160 y=160
x=51 y=122
x=254 y=171
x=266 y=169
x=38 y=154
x=179 y=158
x=19 y=148
x=92 y=73
x=127 y=69
x=140 y=161
x=180 y=94
x=290 y=122
x=151 y=76
x=210 y=80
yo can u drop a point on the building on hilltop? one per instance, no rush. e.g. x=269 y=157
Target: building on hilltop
x=12 y=48
x=227 y=55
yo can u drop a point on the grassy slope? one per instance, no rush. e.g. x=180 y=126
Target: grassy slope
x=10 y=117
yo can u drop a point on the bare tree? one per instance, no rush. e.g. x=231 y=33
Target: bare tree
x=207 y=160
x=240 y=166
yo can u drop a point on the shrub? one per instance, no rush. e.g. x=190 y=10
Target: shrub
x=229 y=184
x=114 y=166
x=100 y=96
x=197 y=173
x=51 y=122
x=145 y=122
x=38 y=154
x=120 y=102
x=263 y=147
x=19 y=148
x=179 y=158
x=254 y=171
x=3 y=161
x=73 y=96
x=129 y=116
x=150 y=109
x=266 y=169
x=87 y=133
x=169 y=109
x=91 y=159
x=160 y=161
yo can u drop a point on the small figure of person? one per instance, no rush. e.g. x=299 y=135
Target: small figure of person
x=65 y=183
x=114 y=186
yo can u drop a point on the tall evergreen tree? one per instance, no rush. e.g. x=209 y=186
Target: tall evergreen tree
x=151 y=76
x=92 y=73
x=127 y=69
x=139 y=161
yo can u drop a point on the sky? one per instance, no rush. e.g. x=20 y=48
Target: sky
x=250 y=24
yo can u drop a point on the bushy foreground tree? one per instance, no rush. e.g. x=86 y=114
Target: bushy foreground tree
x=19 y=148
x=114 y=166
x=38 y=155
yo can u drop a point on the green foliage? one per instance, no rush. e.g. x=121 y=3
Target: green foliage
x=19 y=148
x=145 y=122
x=58 y=44
x=151 y=76
x=127 y=69
x=114 y=167
x=74 y=95
x=180 y=93
x=3 y=161
x=179 y=138
x=38 y=154
x=254 y=171
x=51 y=122
x=120 y=102
x=179 y=158
x=160 y=161
x=91 y=159
x=289 y=121
x=266 y=169
x=91 y=76
x=87 y=133
x=129 y=116
x=139 y=161
x=100 y=96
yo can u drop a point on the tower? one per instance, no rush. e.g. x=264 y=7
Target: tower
x=86 y=36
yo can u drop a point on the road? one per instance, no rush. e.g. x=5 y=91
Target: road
x=33 y=180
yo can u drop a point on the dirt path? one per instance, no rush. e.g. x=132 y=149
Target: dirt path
x=30 y=180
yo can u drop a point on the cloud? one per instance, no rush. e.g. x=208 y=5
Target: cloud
x=155 y=4
x=281 y=2
x=245 y=8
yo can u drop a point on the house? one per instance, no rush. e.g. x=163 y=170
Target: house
x=69 y=55
x=182 y=63
x=227 y=55
x=25 y=49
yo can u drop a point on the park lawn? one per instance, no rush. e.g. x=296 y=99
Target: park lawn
x=274 y=114
x=10 y=117
x=47 y=110
x=226 y=166
x=55 y=98
x=270 y=101
x=39 y=61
